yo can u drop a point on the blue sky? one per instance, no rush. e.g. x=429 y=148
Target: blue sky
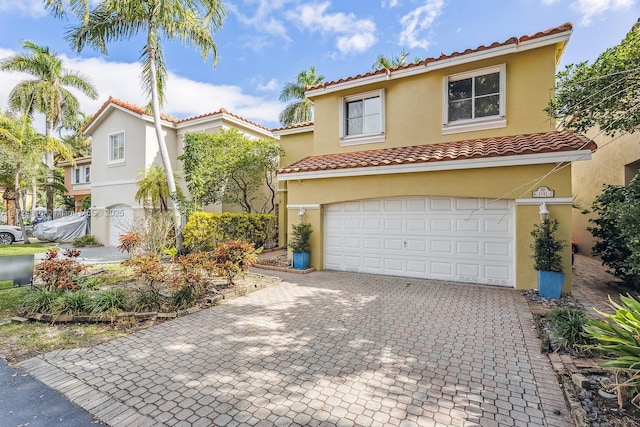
x=265 y=43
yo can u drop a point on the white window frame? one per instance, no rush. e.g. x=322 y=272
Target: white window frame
x=79 y=175
x=365 y=138
x=483 y=123
x=111 y=160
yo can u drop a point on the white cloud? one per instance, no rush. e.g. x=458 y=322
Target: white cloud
x=390 y=3
x=32 y=8
x=417 y=22
x=591 y=8
x=270 y=86
x=184 y=97
x=262 y=20
x=353 y=34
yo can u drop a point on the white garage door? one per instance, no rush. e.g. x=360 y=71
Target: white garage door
x=120 y=218
x=446 y=238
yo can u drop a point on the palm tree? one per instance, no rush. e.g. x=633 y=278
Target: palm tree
x=385 y=63
x=153 y=188
x=301 y=110
x=190 y=21
x=25 y=146
x=46 y=93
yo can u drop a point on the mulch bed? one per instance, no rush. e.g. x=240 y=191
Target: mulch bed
x=585 y=386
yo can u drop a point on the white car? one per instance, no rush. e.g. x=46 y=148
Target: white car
x=10 y=234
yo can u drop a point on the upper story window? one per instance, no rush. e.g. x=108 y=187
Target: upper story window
x=362 y=118
x=82 y=175
x=474 y=100
x=116 y=147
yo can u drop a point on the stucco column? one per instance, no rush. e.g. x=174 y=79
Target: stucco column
x=527 y=214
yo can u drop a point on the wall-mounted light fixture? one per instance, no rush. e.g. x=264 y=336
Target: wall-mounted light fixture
x=544 y=212
x=301 y=213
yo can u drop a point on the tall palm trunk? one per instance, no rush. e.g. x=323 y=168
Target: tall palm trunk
x=49 y=162
x=19 y=211
x=164 y=153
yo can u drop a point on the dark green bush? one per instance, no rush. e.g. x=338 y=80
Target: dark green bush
x=616 y=230
x=86 y=240
x=148 y=301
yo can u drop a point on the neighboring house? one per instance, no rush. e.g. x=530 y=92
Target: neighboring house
x=77 y=179
x=124 y=144
x=436 y=169
x=616 y=162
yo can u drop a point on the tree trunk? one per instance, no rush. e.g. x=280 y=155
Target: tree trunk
x=50 y=166
x=19 y=211
x=34 y=196
x=10 y=197
x=164 y=154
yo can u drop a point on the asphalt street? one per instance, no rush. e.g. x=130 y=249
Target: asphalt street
x=25 y=401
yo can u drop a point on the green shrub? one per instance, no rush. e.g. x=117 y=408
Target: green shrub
x=546 y=246
x=300 y=240
x=184 y=297
x=567 y=325
x=107 y=301
x=205 y=231
x=618 y=337
x=148 y=301
x=39 y=300
x=90 y=282
x=71 y=302
x=86 y=240
x=616 y=230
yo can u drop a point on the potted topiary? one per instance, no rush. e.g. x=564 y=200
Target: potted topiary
x=547 y=259
x=300 y=244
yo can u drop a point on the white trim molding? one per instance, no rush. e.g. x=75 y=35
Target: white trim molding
x=491 y=162
x=110 y=183
x=547 y=200
x=294 y=130
x=308 y=206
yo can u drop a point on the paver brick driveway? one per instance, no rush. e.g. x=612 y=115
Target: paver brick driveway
x=324 y=349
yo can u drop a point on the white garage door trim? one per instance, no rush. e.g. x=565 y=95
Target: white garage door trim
x=444 y=238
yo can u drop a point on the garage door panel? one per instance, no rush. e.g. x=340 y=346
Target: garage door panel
x=467 y=204
x=393 y=206
x=466 y=240
x=441 y=247
x=416 y=205
x=440 y=224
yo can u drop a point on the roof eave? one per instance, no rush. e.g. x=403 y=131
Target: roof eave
x=486 y=162
x=559 y=38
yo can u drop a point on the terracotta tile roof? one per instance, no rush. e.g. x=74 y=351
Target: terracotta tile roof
x=537 y=143
x=224 y=111
x=141 y=110
x=294 y=126
x=513 y=40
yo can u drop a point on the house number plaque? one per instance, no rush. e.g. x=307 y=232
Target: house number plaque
x=542 y=192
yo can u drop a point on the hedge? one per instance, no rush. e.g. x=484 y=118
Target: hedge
x=205 y=231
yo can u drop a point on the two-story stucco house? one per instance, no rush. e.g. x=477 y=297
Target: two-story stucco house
x=436 y=169
x=77 y=179
x=124 y=144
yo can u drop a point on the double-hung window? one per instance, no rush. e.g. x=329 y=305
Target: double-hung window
x=474 y=100
x=116 y=147
x=362 y=118
x=82 y=175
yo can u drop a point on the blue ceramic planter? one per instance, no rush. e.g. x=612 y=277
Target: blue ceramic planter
x=550 y=284
x=301 y=260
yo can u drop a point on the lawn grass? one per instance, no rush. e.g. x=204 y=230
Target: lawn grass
x=19 y=341
x=22 y=249
x=10 y=299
